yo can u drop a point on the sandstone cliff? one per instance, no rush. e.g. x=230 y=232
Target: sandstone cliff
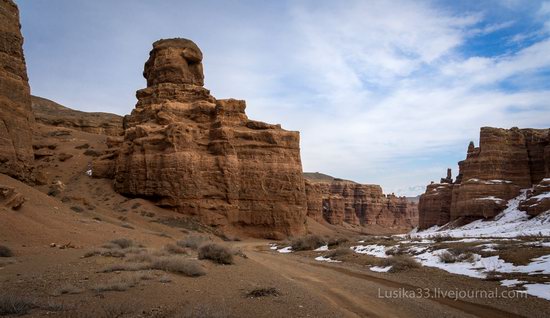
x=16 y=153
x=51 y=113
x=188 y=151
x=506 y=161
x=338 y=201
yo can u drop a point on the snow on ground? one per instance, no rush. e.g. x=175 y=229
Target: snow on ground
x=287 y=249
x=323 y=248
x=380 y=269
x=511 y=282
x=272 y=246
x=326 y=259
x=374 y=250
x=431 y=259
x=539 y=290
x=509 y=223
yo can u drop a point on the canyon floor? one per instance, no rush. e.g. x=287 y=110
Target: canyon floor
x=65 y=263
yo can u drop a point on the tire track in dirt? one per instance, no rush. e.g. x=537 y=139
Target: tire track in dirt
x=323 y=279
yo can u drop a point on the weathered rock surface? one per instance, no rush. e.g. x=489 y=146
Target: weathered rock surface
x=10 y=198
x=186 y=150
x=538 y=200
x=340 y=201
x=16 y=153
x=506 y=161
x=51 y=113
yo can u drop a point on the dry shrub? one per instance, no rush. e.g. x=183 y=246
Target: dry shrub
x=217 y=253
x=308 y=242
x=122 y=242
x=126 y=267
x=342 y=251
x=174 y=249
x=400 y=263
x=396 y=250
x=68 y=289
x=193 y=241
x=178 y=265
x=447 y=257
x=121 y=284
x=11 y=304
x=334 y=241
x=5 y=251
x=263 y=292
x=442 y=237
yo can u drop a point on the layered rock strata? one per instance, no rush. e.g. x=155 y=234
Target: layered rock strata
x=16 y=119
x=188 y=151
x=341 y=201
x=506 y=161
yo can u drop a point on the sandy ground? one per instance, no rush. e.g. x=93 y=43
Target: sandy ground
x=87 y=213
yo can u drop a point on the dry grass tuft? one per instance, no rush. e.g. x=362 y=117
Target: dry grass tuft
x=306 y=243
x=217 y=253
x=193 y=241
x=175 y=249
x=342 y=251
x=122 y=243
x=11 y=304
x=178 y=265
x=400 y=263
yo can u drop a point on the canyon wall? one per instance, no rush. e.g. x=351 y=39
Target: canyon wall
x=340 y=201
x=506 y=161
x=188 y=151
x=50 y=113
x=16 y=153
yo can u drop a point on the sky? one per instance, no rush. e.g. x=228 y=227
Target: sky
x=382 y=92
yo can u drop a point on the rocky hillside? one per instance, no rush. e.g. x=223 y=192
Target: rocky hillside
x=16 y=153
x=506 y=161
x=338 y=201
x=51 y=113
x=197 y=155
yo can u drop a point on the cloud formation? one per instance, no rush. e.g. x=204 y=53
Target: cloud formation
x=386 y=92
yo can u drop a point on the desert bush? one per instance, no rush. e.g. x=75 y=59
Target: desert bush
x=342 y=251
x=165 y=279
x=5 y=251
x=174 y=249
x=441 y=238
x=105 y=252
x=396 y=250
x=400 y=263
x=193 y=241
x=308 y=242
x=178 y=265
x=263 y=292
x=217 y=253
x=122 y=242
x=11 y=304
x=447 y=257
x=334 y=241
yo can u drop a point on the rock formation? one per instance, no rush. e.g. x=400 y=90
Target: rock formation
x=340 y=201
x=16 y=153
x=51 y=113
x=506 y=161
x=188 y=151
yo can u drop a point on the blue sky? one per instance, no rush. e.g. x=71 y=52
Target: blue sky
x=384 y=92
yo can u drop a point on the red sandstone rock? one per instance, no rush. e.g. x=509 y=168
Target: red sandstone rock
x=538 y=201
x=186 y=150
x=506 y=161
x=339 y=201
x=16 y=154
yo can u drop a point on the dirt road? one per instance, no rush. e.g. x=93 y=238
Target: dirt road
x=359 y=294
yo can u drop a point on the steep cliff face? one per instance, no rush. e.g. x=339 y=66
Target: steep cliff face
x=186 y=150
x=16 y=119
x=506 y=161
x=51 y=113
x=340 y=201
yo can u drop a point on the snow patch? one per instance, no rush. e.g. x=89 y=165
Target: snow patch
x=323 y=248
x=374 y=250
x=380 y=269
x=538 y=290
x=285 y=250
x=326 y=259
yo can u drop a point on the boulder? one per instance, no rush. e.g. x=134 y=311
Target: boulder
x=10 y=198
x=185 y=150
x=16 y=153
